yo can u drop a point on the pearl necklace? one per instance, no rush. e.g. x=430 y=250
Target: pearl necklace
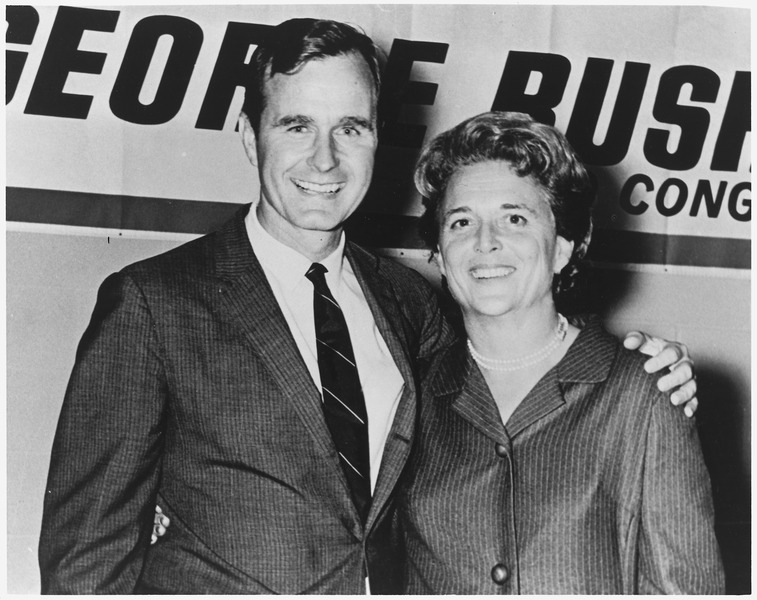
x=515 y=364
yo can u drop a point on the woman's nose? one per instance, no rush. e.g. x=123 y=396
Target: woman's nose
x=486 y=239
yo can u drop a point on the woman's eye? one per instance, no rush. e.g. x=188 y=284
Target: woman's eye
x=459 y=223
x=516 y=220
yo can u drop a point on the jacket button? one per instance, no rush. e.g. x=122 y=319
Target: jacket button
x=500 y=574
x=500 y=450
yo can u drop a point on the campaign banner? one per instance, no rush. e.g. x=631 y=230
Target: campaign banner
x=124 y=118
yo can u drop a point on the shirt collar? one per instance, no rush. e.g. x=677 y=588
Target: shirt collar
x=286 y=264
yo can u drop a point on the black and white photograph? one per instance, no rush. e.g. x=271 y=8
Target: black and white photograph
x=386 y=299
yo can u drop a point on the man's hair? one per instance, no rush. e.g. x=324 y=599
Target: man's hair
x=532 y=149
x=291 y=44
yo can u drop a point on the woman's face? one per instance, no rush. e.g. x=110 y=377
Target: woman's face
x=497 y=244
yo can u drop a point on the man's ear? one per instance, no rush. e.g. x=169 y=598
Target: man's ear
x=439 y=260
x=249 y=140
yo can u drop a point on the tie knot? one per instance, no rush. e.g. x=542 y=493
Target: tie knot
x=316 y=274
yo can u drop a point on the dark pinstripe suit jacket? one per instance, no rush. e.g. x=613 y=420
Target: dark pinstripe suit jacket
x=596 y=484
x=188 y=390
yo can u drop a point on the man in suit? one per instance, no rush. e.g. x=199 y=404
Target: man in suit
x=203 y=382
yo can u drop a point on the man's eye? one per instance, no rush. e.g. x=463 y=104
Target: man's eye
x=297 y=129
x=516 y=220
x=459 y=223
x=349 y=131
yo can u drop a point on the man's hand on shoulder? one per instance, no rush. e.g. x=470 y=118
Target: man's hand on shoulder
x=674 y=356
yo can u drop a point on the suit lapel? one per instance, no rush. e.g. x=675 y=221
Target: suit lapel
x=559 y=385
x=248 y=299
x=388 y=317
x=545 y=397
x=587 y=361
x=474 y=402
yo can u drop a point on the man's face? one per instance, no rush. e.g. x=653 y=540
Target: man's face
x=314 y=149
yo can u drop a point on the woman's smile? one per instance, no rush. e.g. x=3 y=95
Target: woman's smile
x=491 y=272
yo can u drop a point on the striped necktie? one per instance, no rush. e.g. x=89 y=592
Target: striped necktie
x=343 y=402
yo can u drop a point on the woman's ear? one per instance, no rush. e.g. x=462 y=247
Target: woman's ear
x=249 y=140
x=563 y=252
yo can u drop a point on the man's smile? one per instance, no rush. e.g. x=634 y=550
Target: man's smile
x=317 y=188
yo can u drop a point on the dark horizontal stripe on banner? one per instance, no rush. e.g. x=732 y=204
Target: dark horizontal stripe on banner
x=619 y=246
x=80 y=209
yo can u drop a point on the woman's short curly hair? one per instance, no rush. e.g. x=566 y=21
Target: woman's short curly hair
x=532 y=149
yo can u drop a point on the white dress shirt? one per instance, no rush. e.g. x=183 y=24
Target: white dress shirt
x=285 y=270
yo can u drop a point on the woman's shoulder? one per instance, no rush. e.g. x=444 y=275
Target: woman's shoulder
x=612 y=387
x=597 y=356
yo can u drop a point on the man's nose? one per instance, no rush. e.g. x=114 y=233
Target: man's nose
x=324 y=156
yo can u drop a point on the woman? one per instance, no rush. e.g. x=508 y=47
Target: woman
x=546 y=461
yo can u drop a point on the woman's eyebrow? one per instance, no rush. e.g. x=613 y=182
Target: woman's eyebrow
x=511 y=206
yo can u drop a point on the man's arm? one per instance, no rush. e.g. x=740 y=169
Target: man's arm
x=674 y=356
x=107 y=452
x=678 y=551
